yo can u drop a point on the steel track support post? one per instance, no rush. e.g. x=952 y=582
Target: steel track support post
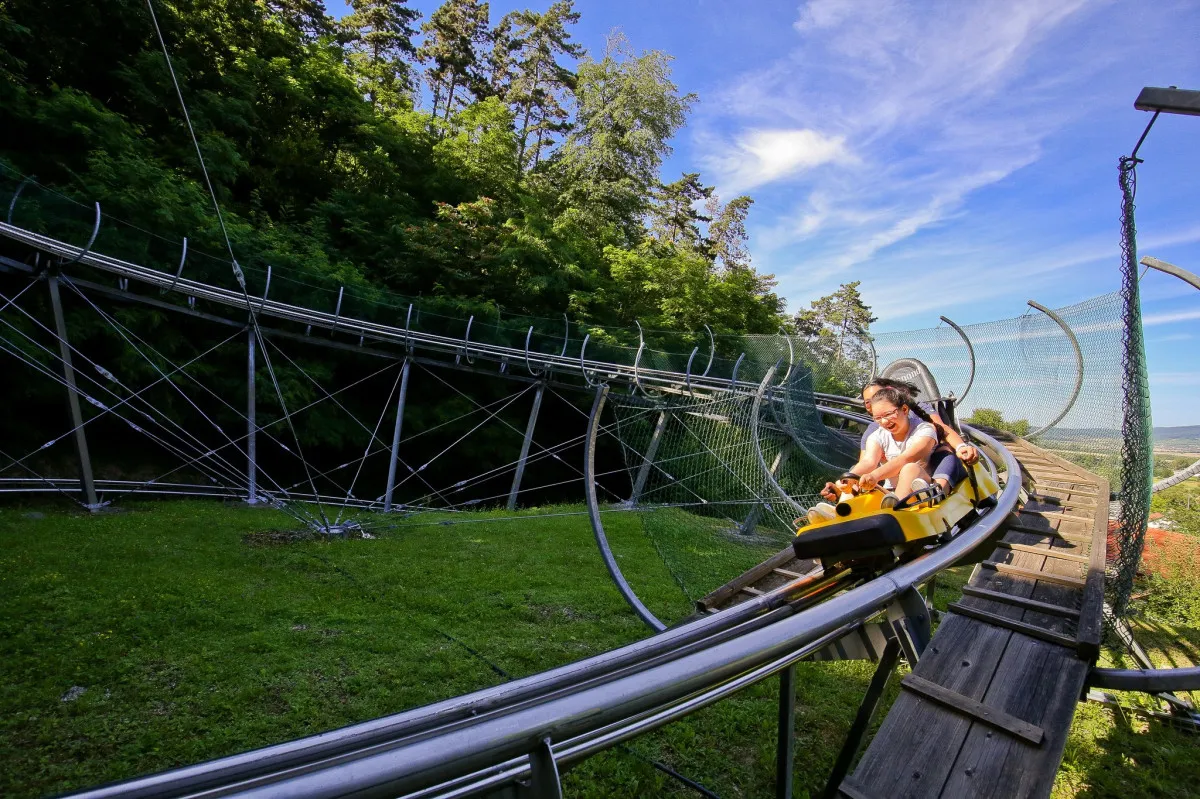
x=251 y=420
x=394 y=457
x=643 y=473
x=908 y=616
x=86 y=484
x=544 y=781
x=862 y=720
x=533 y=415
x=785 y=744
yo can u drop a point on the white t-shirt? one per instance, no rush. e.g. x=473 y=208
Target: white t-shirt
x=893 y=449
x=913 y=421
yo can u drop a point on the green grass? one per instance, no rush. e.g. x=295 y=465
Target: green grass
x=192 y=643
x=1180 y=505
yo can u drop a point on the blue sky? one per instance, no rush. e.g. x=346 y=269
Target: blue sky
x=956 y=156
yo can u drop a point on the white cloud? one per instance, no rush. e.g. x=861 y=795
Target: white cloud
x=1169 y=317
x=762 y=156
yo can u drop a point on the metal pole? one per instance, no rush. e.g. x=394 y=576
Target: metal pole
x=785 y=746
x=251 y=421
x=1066 y=329
x=391 y=481
x=639 y=482
x=862 y=720
x=86 y=483
x=533 y=415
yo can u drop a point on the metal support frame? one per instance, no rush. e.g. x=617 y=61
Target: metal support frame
x=544 y=781
x=394 y=455
x=16 y=195
x=908 y=616
x=862 y=720
x=785 y=742
x=791 y=353
x=533 y=415
x=639 y=482
x=1058 y=320
x=970 y=353
x=337 y=311
x=637 y=359
x=251 y=421
x=86 y=483
x=87 y=247
x=589 y=488
x=762 y=462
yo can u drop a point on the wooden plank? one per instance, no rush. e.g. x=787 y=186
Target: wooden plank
x=1032 y=630
x=747 y=589
x=1091 y=619
x=1021 y=602
x=1025 y=528
x=1008 y=568
x=1039 y=683
x=730 y=589
x=1056 y=514
x=787 y=574
x=851 y=789
x=1050 y=553
x=976 y=710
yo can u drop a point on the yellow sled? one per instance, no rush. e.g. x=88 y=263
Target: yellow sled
x=864 y=529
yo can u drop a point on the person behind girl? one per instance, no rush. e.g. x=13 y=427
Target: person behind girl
x=946 y=462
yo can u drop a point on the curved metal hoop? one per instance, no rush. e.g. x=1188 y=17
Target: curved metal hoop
x=179 y=271
x=737 y=365
x=266 y=290
x=637 y=383
x=528 y=366
x=17 y=194
x=691 y=358
x=589 y=484
x=1078 y=367
x=582 y=368
x=87 y=247
x=712 y=351
x=791 y=354
x=970 y=352
x=466 y=350
x=337 y=311
x=874 y=356
x=762 y=461
x=407 y=329
x=566 y=336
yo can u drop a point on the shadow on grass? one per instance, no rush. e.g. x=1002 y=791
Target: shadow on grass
x=1116 y=753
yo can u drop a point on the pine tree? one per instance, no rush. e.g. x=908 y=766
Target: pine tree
x=380 y=34
x=454 y=36
x=676 y=220
x=501 y=61
x=836 y=316
x=727 y=232
x=306 y=16
x=540 y=83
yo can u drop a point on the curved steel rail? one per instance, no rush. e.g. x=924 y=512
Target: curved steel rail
x=970 y=353
x=1058 y=320
x=602 y=700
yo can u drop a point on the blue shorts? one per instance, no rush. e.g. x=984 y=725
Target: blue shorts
x=945 y=464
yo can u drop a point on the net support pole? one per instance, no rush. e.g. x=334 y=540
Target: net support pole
x=251 y=421
x=1194 y=281
x=643 y=473
x=533 y=415
x=755 y=412
x=970 y=354
x=785 y=744
x=87 y=485
x=394 y=455
x=1058 y=320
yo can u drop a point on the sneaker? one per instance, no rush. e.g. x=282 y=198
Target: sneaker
x=919 y=484
x=889 y=500
x=822 y=512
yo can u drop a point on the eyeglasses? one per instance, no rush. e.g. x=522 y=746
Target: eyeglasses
x=885 y=416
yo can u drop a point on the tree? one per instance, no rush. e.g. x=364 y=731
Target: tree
x=540 y=83
x=380 y=34
x=501 y=61
x=454 y=36
x=306 y=16
x=676 y=220
x=627 y=110
x=836 y=316
x=989 y=417
x=727 y=232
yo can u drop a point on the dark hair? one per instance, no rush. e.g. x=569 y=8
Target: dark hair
x=898 y=393
x=893 y=395
x=887 y=382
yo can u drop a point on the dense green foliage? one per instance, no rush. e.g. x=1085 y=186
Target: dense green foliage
x=989 y=417
x=531 y=184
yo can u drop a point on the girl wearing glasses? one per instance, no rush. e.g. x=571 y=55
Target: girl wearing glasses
x=897 y=453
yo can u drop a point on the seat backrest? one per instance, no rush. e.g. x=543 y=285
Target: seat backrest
x=913 y=371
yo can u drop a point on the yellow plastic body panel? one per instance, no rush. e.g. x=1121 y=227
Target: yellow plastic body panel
x=921 y=522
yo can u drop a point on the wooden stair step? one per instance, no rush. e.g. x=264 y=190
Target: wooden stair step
x=1049 y=553
x=1022 y=627
x=1020 y=602
x=1018 y=571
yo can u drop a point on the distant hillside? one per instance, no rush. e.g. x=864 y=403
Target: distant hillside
x=1182 y=439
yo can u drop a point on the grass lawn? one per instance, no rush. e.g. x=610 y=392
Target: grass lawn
x=175 y=632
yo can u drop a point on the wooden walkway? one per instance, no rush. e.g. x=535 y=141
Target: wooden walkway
x=986 y=710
